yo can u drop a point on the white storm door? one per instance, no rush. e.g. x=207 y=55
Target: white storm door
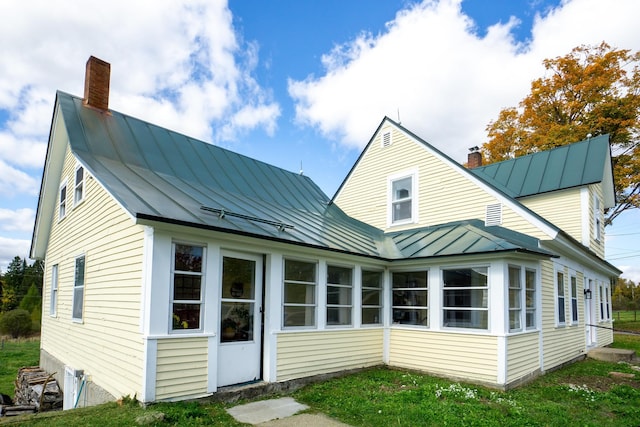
x=240 y=327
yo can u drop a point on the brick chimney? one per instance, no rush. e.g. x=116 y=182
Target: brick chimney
x=96 y=83
x=474 y=159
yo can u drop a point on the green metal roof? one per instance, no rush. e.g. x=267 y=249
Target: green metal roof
x=463 y=238
x=568 y=166
x=163 y=176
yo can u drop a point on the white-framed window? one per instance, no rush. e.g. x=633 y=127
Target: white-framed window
x=574 y=299
x=607 y=305
x=300 y=287
x=410 y=297
x=371 y=297
x=62 y=200
x=530 y=298
x=339 y=295
x=78 y=288
x=597 y=218
x=403 y=198
x=465 y=298
x=515 y=298
x=601 y=300
x=560 y=299
x=187 y=291
x=53 y=302
x=78 y=192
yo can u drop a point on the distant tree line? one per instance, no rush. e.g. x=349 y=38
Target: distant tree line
x=625 y=295
x=21 y=297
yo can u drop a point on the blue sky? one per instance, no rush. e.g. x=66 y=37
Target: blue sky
x=299 y=84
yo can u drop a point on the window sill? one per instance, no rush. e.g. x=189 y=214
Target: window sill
x=181 y=335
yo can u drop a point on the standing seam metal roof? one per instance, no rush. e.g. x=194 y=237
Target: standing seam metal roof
x=160 y=175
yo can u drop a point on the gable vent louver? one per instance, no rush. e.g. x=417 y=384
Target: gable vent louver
x=386 y=139
x=493 y=215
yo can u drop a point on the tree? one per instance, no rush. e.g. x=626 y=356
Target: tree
x=593 y=90
x=15 y=322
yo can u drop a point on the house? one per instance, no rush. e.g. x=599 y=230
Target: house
x=174 y=267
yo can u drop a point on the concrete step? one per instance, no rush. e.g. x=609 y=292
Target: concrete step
x=607 y=354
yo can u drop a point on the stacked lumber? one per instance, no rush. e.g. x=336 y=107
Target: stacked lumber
x=37 y=388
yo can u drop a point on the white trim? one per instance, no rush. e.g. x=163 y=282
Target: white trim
x=53 y=292
x=146 y=280
x=273 y=315
x=502 y=357
x=149 y=369
x=585 y=216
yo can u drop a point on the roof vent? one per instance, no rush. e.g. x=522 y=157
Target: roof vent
x=96 y=83
x=386 y=139
x=493 y=215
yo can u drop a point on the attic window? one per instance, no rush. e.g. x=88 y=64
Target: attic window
x=386 y=139
x=493 y=214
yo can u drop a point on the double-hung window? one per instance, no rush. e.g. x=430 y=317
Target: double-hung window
x=371 y=297
x=78 y=194
x=53 y=303
x=530 y=298
x=62 y=201
x=410 y=298
x=574 y=299
x=466 y=298
x=560 y=299
x=187 y=290
x=78 y=288
x=515 y=299
x=300 y=284
x=402 y=198
x=339 y=295
x=602 y=302
x=597 y=221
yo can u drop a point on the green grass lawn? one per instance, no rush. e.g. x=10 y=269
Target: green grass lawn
x=581 y=394
x=627 y=320
x=14 y=354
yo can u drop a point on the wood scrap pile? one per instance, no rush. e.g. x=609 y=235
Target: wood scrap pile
x=35 y=391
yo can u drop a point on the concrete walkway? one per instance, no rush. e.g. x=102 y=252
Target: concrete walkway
x=280 y=413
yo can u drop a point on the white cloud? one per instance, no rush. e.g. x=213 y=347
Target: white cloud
x=10 y=248
x=17 y=220
x=447 y=82
x=15 y=182
x=176 y=63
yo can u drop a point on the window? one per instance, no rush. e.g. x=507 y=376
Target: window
x=371 y=297
x=604 y=301
x=78 y=288
x=54 y=290
x=62 y=204
x=597 y=221
x=402 y=200
x=79 y=188
x=574 y=299
x=515 y=299
x=466 y=294
x=410 y=298
x=300 y=282
x=560 y=298
x=530 y=298
x=339 y=295
x=187 y=292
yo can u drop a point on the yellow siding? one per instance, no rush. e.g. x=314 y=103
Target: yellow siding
x=604 y=336
x=303 y=354
x=445 y=195
x=560 y=343
x=472 y=357
x=107 y=344
x=561 y=208
x=523 y=355
x=181 y=367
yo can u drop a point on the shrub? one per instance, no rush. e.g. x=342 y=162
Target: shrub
x=15 y=323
